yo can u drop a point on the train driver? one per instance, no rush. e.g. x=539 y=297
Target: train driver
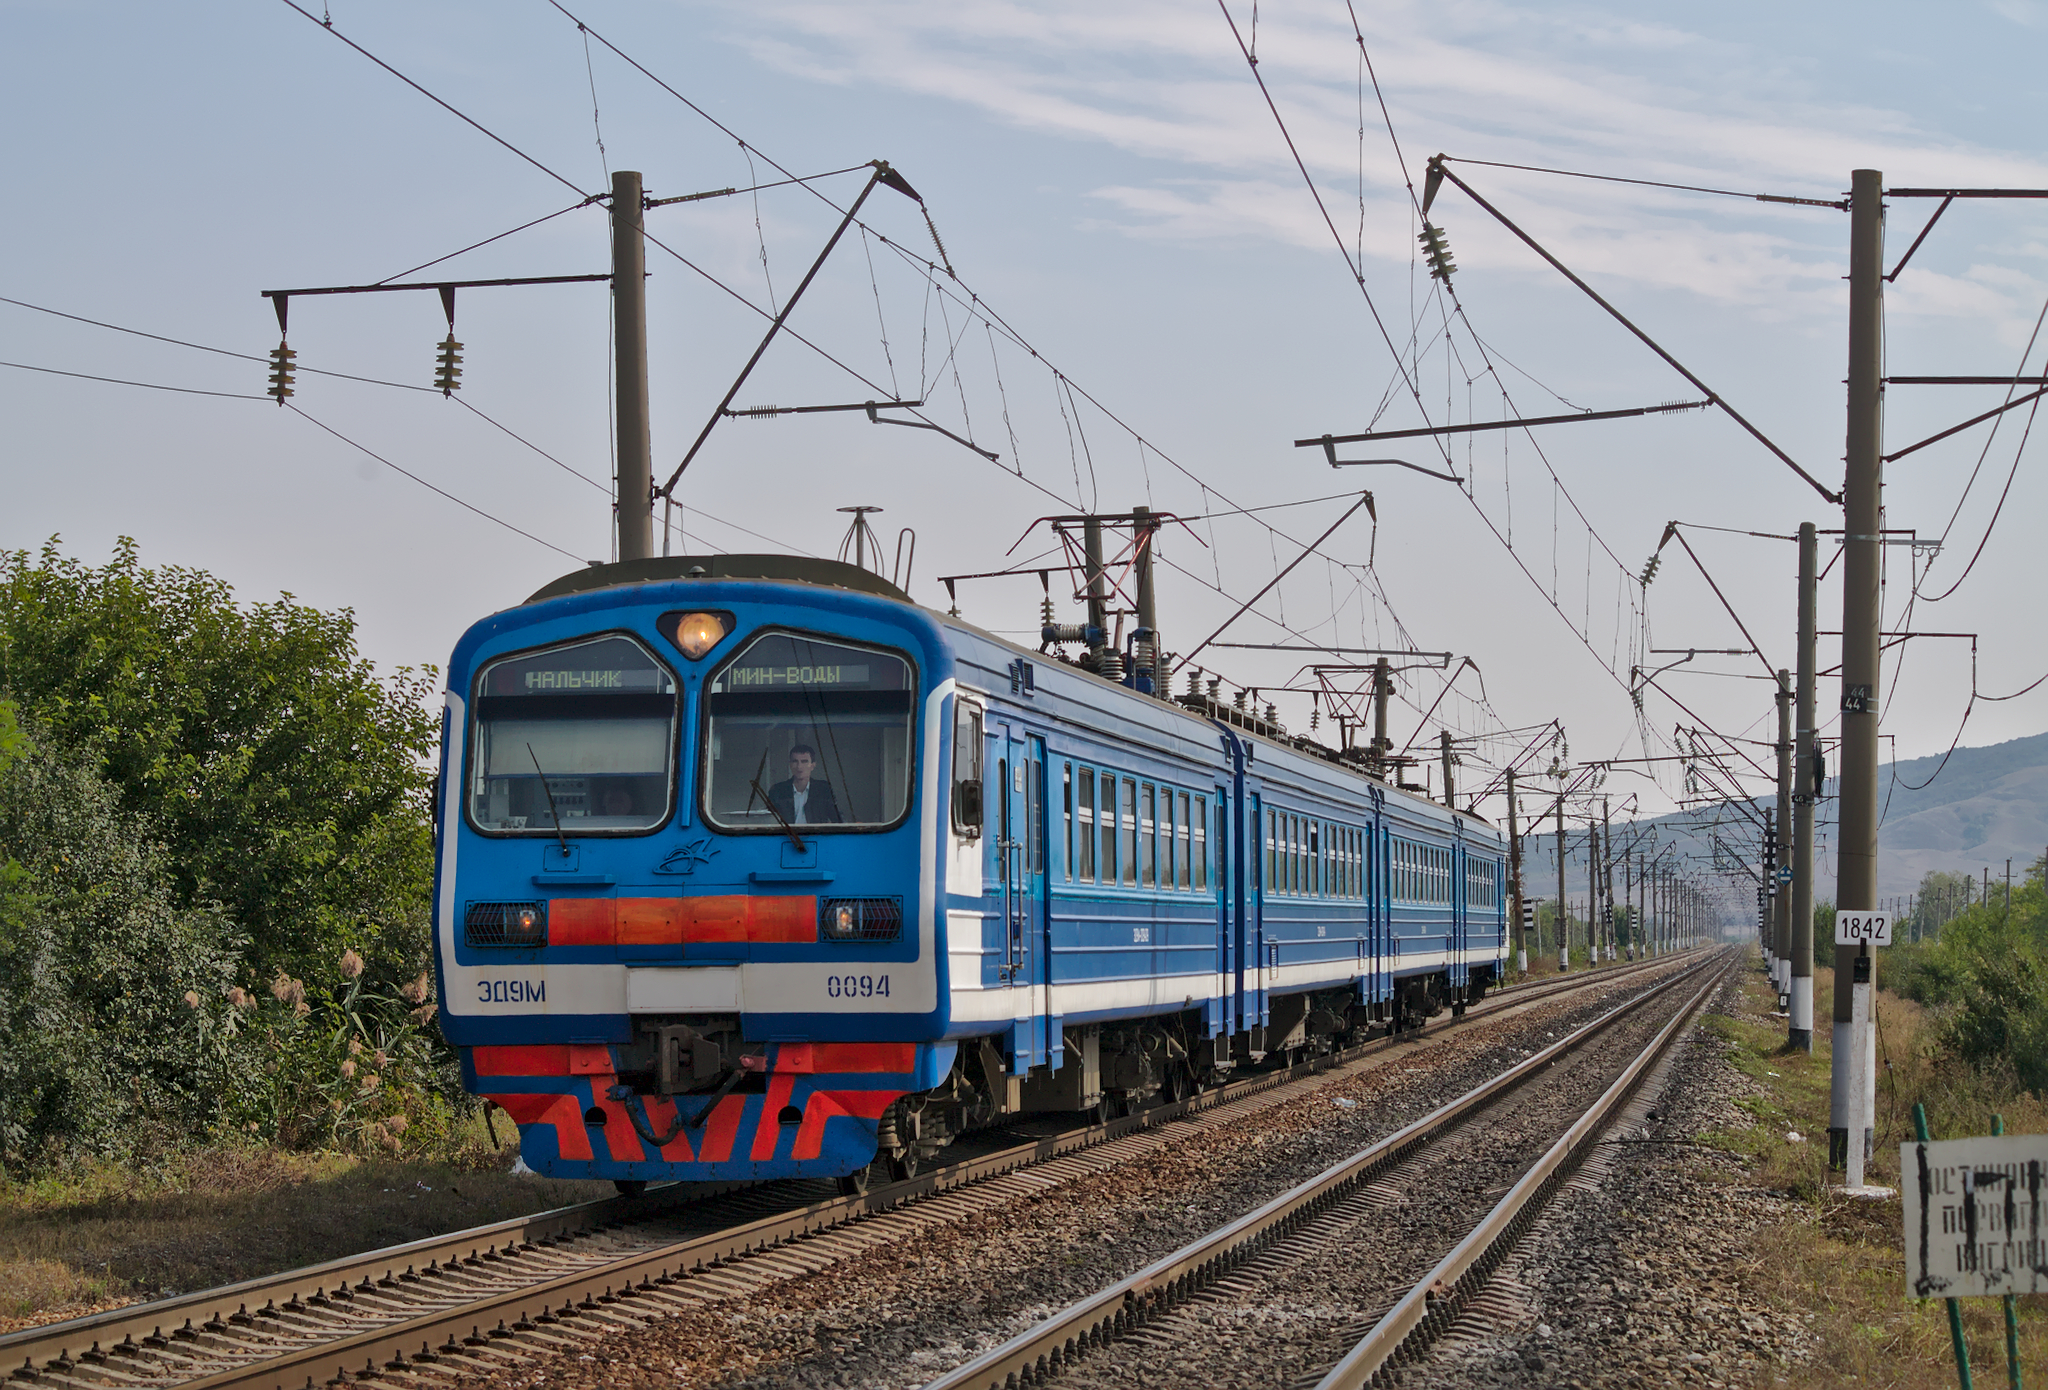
x=801 y=798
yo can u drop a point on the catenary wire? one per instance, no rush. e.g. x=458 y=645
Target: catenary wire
x=329 y=27
x=467 y=506
x=147 y=385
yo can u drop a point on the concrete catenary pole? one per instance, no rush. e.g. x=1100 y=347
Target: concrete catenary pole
x=1862 y=613
x=1450 y=787
x=1382 y=690
x=1564 y=912
x=1098 y=587
x=1143 y=529
x=1607 y=871
x=629 y=347
x=1781 y=893
x=1804 y=788
x=1515 y=879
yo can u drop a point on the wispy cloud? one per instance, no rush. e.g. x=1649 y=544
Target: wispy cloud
x=1579 y=87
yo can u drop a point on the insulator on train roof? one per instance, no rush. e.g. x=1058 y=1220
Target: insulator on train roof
x=1215 y=686
x=448 y=368
x=1194 y=680
x=281 y=370
x=1315 y=718
x=1272 y=713
x=1650 y=571
x=1437 y=252
x=1238 y=699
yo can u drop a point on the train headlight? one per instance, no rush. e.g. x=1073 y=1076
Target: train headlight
x=845 y=921
x=697 y=633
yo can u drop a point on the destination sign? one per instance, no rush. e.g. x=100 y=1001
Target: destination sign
x=788 y=677
x=591 y=680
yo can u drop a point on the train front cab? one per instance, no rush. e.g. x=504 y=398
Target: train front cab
x=644 y=959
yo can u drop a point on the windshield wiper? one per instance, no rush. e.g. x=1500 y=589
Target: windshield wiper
x=551 y=801
x=794 y=838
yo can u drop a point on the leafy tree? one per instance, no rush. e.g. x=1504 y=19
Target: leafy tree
x=1940 y=897
x=108 y=989
x=286 y=781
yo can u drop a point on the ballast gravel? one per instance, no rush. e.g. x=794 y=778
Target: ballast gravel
x=902 y=1313
x=1634 y=1277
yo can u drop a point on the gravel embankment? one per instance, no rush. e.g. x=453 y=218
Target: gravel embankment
x=898 y=1314
x=1636 y=1276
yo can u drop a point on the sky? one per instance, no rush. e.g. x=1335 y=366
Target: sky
x=1140 y=301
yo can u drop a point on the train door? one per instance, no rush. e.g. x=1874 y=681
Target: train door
x=1020 y=858
x=1225 y=857
x=1460 y=921
x=1249 y=889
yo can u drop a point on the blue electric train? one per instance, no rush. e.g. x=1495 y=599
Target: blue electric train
x=750 y=867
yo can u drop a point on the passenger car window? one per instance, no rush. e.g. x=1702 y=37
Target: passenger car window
x=785 y=696
x=595 y=719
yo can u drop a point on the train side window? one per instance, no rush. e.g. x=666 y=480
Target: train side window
x=1105 y=820
x=1084 y=830
x=1315 y=859
x=967 y=787
x=1148 y=833
x=1200 y=845
x=1127 y=821
x=1067 y=821
x=1034 y=810
x=1003 y=820
x=1169 y=851
x=1272 y=851
x=1187 y=844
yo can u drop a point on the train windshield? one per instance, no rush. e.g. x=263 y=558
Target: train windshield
x=809 y=733
x=583 y=732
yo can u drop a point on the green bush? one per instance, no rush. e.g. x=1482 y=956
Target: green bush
x=107 y=986
x=1986 y=978
x=286 y=781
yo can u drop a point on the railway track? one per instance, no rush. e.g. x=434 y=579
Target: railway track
x=1332 y=1284
x=477 y=1300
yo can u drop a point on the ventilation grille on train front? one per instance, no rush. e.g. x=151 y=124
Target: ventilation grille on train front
x=505 y=924
x=860 y=919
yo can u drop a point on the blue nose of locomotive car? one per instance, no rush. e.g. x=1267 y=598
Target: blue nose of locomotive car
x=690 y=871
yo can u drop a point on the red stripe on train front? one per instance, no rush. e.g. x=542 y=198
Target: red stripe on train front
x=823 y=1105
x=723 y=1129
x=572 y=1140
x=766 y=1131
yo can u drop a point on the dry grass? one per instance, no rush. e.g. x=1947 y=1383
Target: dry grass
x=1842 y=1263
x=98 y=1235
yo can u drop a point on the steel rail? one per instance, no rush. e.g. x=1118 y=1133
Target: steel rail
x=119 y=1337
x=1436 y=1300
x=1098 y=1319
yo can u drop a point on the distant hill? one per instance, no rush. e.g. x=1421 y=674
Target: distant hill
x=1986 y=805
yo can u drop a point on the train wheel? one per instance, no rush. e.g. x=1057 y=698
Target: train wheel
x=629 y=1187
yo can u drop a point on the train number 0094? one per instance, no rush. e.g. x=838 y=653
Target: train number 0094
x=857 y=986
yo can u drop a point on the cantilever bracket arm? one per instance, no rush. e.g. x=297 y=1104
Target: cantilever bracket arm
x=883 y=175
x=1330 y=451
x=1480 y=426
x=1436 y=165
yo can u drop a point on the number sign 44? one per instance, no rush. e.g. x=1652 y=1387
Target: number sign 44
x=1852 y=928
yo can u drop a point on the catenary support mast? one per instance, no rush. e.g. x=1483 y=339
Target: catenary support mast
x=1862 y=610
x=629 y=346
x=1805 y=786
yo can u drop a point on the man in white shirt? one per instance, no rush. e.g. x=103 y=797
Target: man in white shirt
x=802 y=799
